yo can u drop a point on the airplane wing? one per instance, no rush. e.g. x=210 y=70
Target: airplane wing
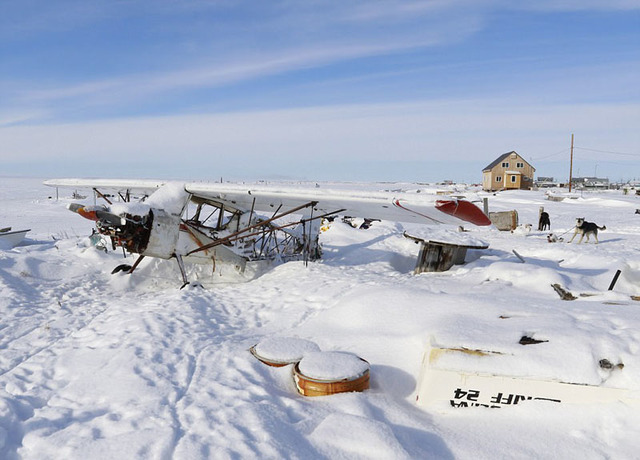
x=143 y=186
x=395 y=206
x=400 y=207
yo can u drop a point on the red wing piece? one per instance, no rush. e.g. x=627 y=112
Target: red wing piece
x=463 y=210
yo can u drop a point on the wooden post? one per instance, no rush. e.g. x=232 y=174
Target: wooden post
x=571 y=165
x=615 y=278
x=485 y=203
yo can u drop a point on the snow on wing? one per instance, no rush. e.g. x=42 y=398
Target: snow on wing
x=426 y=209
x=374 y=205
x=146 y=187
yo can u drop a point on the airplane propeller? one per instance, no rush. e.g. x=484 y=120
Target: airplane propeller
x=97 y=213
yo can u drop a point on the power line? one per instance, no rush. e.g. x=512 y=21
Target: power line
x=551 y=155
x=584 y=148
x=609 y=151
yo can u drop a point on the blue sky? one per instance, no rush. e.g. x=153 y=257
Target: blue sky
x=343 y=90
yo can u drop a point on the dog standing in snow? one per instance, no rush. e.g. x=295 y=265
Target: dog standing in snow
x=586 y=228
x=544 y=223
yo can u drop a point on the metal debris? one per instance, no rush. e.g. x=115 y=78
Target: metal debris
x=564 y=294
x=526 y=340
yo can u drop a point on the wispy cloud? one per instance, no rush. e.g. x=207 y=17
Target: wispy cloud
x=241 y=41
x=303 y=37
x=427 y=141
x=29 y=18
x=222 y=73
x=17 y=117
x=575 y=5
x=432 y=130
x=482 y=83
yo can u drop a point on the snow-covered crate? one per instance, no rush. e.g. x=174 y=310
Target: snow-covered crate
x=504 y=220
x=327 y=373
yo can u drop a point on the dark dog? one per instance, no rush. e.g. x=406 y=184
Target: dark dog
x=544 y=223
x=586 y=228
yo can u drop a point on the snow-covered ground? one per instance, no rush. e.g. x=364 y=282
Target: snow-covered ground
x=94 y=365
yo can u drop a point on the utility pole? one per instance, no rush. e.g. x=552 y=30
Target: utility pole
x=571 y=165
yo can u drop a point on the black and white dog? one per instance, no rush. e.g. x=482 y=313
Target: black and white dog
x=586 y=228
x=544 y=223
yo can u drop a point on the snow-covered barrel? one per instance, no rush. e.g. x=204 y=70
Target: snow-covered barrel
x=327 y=373
x=281 y=351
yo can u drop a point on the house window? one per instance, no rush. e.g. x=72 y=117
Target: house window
x=513 y=179
x=498 y=179
x=519 y=165
x=505 y=164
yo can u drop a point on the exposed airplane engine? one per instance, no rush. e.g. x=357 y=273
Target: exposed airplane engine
x=163 y=230
x=153 y=234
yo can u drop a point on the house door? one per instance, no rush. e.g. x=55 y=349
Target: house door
x=511 y=180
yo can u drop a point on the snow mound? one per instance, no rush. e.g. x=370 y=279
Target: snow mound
x=335 y=438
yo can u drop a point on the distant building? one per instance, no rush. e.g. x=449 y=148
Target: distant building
x=545 y=182
x=590 y=182
x=508 y=171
